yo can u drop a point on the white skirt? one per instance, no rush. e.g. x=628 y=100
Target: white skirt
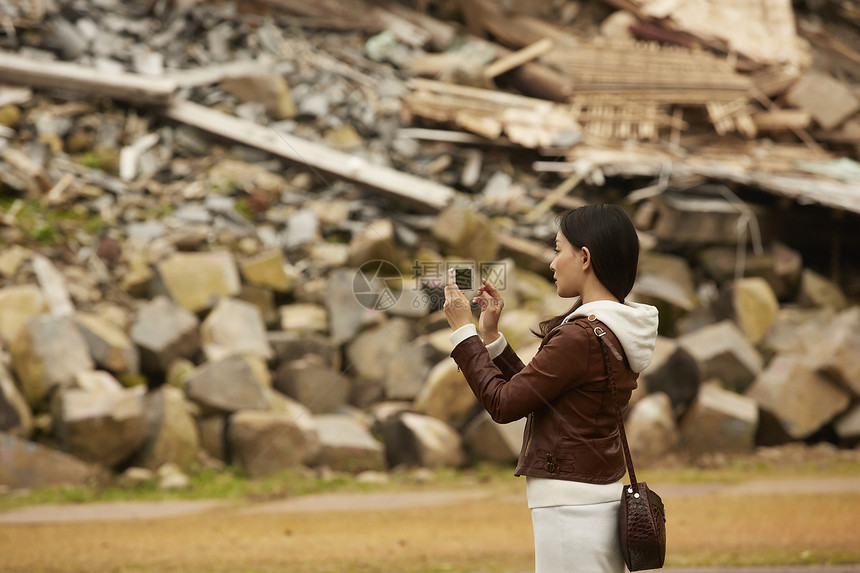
x=578 y=538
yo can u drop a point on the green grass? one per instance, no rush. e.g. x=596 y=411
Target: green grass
x=52 y=225
x=231 y=483
x=747 y=468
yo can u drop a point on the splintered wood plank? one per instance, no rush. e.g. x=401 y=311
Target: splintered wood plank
x=529 y=122
x=422 y=194
x=445 y=135
x=649 y=72
x=518 y=58
x=491 y=96
x=782 y=120
x=220 y=72
x=133 y=88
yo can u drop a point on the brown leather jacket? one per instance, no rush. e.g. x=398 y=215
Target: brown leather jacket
x=571 y=432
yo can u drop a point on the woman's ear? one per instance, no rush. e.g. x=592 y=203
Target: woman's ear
x=586 y=258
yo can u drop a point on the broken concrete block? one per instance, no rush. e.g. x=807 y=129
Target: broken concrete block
x=371 y=351
x=164 y=331
x=302 y=416
x=304 y=317
x=227 y=385
x=770 y=431
x=264 y=299
x=673 y=372
x=779 y=265
x=819 y=292
x=793 y=328
x=263 y=443
x=723 y=352
x=196 y=280
x=381 y=412
x=667 y=277
x=517 y=324
x=213 y=437
x=138 y=276
x=666 y=281
x=407 y=371
x=651 y=428
x=751 y=304
x=488 y=440
x=447 y=396
x=375 y=242
x=302 y=230
x=48 y=352
x=96 y=381
x=53 y=286
x=234 y=327
x=31 y=465
x=416 y=440
x=267 y=270
x=110 y=346
x=18 y=304
x=346 y=445
x=289 y=346
x=16 y=418
x=105 y=427
x=801 y=399
x=13 y=256
x=172 y=435
x=836 y=351
x=719 y=421
x=346 y=315
x=312 y=383
x=466 y=234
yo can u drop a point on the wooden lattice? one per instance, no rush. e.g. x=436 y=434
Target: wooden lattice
x=628 y=90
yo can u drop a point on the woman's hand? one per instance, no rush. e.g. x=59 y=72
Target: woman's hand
x=457 y=309
x=491 y=308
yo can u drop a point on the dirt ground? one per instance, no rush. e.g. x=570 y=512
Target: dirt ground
x=486 y=528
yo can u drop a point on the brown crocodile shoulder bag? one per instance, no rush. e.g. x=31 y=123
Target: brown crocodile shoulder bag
x=642 y=517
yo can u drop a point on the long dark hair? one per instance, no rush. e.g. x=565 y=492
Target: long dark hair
x=609 y=234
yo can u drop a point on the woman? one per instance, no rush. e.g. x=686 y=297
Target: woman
x=571 y=454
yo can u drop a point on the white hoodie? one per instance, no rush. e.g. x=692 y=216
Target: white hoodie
x=635 y=325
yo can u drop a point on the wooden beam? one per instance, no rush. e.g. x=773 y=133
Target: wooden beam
x=422 y=194
x=220 y=72
x=782 y=120
x=134 y=88
x=581 y=171
x=518 y=58
x=443 y=135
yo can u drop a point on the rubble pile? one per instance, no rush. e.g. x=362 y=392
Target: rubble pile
x=225 y=225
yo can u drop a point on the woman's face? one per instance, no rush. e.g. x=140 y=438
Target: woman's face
x=567 y=267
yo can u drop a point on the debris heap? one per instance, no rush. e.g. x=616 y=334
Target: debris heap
x=225 y=225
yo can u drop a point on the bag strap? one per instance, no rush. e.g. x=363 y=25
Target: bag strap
x=606 y=345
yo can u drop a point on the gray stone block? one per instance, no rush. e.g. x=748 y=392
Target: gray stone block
x=802 y=399
x=719 y=421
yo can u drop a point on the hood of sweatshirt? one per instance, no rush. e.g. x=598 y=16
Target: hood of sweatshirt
x=633 y=323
